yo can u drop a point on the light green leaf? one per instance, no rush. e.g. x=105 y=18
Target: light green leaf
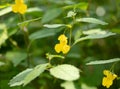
x=16 y=57
x=5 y=5
x=35 y=73
x=51 y=14
x=68 y=85
x=2 y=63
x=5 y=11
x=34 y=9
x=3 y=34
x=44 y=33
x=91 y=20
x=65 y=72
x=53 y=25
x=81 y=6
x=94 y=34
x=103 y=61
x=19 y=79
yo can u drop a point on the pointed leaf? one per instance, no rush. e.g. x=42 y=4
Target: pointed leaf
x=103 y=61
x=65 y=72
x=5 y=11
x=44 y=33
x=19 y=79
x=35 y=73
x=91 y=20
x=53 y=25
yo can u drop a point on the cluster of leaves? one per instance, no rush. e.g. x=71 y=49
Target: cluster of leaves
x=27 y=45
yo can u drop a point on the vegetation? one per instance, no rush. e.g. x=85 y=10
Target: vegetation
x=59 y=44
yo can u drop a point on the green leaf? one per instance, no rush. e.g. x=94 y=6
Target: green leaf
x=34 y=9
x=53 y=25
x=28 y=21
x=44 y=33
x=5 y=11
x=65 y=72
x=103 y=61
x=91 y=20
x=81 y=6
x=35 y=73
x=2 y=63
x=68 y=85
x=3 y=34
x=19 y=79
x=16 y=57
x=94 y=34
x=51 y=14
x=84 y=86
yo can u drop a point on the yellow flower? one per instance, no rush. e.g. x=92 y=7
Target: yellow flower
x=108 y=80
x=62 y=46
x=19 y=7
x=63 y=39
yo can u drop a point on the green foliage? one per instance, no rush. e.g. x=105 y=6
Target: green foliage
x=28 y=59
x=65 y=72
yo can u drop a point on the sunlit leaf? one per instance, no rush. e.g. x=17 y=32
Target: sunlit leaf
x=53 y=25
x=34 y=9
x=65 y=72
x=94 y=34
x=91 y=20
x=5 y=11
x=68 y=85
x=16 y=57
x=103 y=61
x=35 y=73
x=19 y=79
x=3 y=34
x=51 y=14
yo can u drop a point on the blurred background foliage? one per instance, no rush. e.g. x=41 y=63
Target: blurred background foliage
x=13 y=47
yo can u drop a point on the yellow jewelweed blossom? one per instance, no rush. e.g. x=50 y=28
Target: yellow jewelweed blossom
x=63 y=39
x=108 y=80
x=62 y=46
x=19 y=7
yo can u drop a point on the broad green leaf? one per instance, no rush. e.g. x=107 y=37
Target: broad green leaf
x=68 y=85
x=65 y=72
x=3 y=34
x=53 y=25
x=28 y=21
x=35 y=73
x=16 y=57
x=5 y=11
x=82 y=6
x=44 y=33
x=103 y=61
x=51 y=14
x=91 y=20
x=19 y=79
x=2 y=63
